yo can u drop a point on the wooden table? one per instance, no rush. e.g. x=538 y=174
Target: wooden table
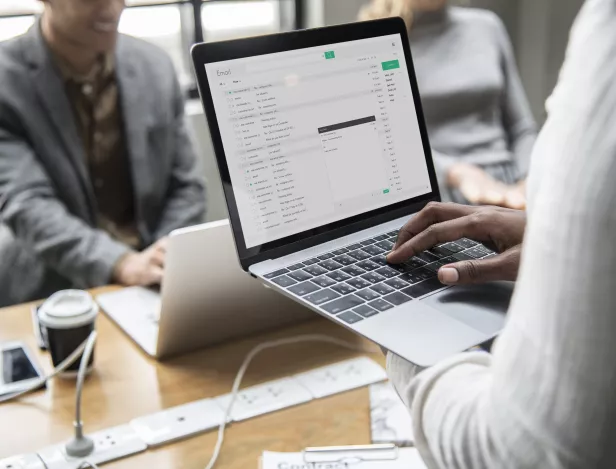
x=128 y=384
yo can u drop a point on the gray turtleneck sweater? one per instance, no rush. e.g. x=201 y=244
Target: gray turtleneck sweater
x=475 y=107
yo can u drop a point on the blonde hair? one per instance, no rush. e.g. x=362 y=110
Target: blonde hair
x=386 y=8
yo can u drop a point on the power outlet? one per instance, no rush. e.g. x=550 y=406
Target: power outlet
x=109 y=445
x=340 y=377
x=265 y=398
x=26 y=461
x=178 y=422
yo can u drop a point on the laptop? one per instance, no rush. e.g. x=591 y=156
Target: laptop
x=205 y=298
x=323 y=154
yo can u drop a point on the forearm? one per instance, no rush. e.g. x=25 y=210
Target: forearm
x=459 y=422
x=439 y=400
x=29 y=206
x=82 y=254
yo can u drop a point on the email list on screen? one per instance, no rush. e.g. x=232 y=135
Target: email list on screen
x=318 y=135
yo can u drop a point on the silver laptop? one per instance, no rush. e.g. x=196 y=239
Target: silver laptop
x=206 y=298
x=323 y=154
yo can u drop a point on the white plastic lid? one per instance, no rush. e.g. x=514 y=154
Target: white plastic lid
x=68 y=309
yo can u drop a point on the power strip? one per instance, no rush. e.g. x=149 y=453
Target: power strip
x=265 y=398
x=178 y=422
x=200 y=416
x=197 y=417
x=26 y=461
x=190 y=419
x=341 y=377
x=109 y=445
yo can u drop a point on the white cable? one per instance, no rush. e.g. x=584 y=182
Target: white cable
x=85 y=350
x=72 y=358
x=85 y=464
x=81 y=446
x=42 y=461
x=253 y=353
x=83 y=368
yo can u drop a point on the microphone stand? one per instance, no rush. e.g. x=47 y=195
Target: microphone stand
x=81 y=446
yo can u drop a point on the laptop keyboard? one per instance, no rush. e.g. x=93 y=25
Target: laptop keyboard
x=356 y=282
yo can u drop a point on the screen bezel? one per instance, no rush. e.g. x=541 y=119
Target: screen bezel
x=207 y=53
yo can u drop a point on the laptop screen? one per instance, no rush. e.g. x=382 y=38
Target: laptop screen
x=318 y=135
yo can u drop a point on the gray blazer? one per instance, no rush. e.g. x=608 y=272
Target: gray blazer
x=48 y=238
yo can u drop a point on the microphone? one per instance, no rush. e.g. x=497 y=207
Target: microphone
x=81 y=446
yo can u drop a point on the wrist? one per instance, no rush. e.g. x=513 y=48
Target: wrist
x=119 y=269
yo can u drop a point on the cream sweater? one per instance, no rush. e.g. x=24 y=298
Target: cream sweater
x=546 y=399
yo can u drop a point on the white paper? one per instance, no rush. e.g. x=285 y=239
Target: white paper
x=343 y=376
x=390 y=419
x=408 y=458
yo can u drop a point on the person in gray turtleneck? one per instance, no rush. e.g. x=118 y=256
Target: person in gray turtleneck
x=480 y=125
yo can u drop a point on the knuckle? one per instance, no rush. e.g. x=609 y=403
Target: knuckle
x=476 y=219
x=493 y=213
x=432 y=209
x=403 y=235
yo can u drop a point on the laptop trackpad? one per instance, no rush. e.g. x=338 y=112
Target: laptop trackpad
x=482 y=307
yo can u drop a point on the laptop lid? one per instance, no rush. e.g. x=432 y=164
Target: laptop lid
x=317 y=134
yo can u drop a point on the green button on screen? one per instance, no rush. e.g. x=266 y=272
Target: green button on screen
x=330 y=55
x=390 y=65
x=385 y=191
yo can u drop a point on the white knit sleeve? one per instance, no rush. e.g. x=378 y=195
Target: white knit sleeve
x=546 y=397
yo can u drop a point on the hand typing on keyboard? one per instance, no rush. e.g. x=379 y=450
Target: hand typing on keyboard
x=438 y=223
x=143 y=268
x=356 y=282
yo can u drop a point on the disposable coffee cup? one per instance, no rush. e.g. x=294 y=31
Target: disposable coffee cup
x=66 y=320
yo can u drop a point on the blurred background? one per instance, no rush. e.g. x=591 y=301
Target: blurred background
x=538 y=30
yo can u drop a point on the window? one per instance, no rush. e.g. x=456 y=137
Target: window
x=175 y=25
x=11 y=27
x=228 y=20
x=20 y=7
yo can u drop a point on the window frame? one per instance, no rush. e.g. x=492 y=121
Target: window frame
x=299 y=19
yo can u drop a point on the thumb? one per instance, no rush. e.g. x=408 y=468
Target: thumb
x=501 y=267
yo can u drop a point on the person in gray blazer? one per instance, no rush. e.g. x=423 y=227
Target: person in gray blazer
x=96 y=163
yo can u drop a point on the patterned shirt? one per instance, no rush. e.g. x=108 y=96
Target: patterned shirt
x=94 y=98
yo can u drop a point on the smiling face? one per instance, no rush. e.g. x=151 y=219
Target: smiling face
x=88 y=24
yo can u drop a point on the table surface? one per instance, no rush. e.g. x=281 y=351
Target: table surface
x=127 y=384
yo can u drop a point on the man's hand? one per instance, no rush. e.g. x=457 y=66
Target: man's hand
x=142 y=268
x=479 y=188
x=500 y=228
x=515 y=197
